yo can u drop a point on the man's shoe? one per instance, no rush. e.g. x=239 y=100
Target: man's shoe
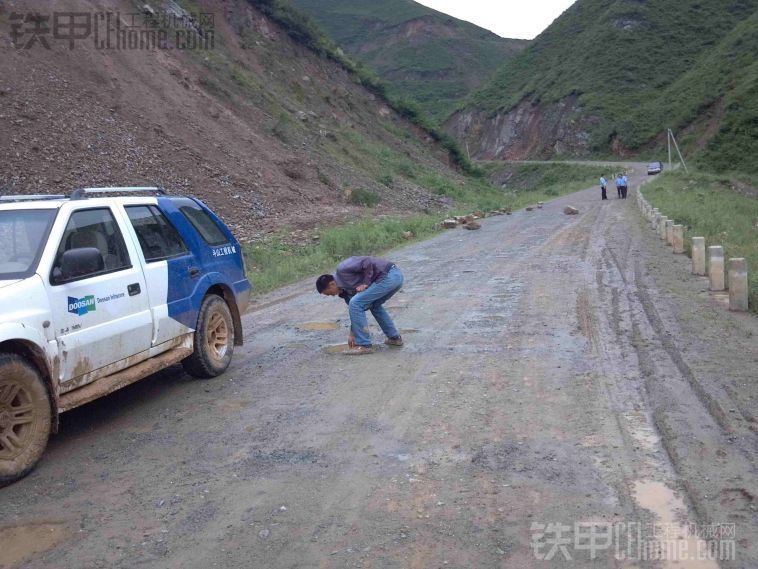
x=394 y=341
x=359 y=351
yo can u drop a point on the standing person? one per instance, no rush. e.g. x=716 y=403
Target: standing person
x=603 y=186
x=365 y=283
x=619 y=185
x=625 y=186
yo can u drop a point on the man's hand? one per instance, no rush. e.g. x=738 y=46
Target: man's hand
x=351 y=340
x=361 y=287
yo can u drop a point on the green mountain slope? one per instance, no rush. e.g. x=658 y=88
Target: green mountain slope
x=429 y=56
x=609 y=76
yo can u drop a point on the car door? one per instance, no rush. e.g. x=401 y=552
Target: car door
x=171 y=270
x=101 y=314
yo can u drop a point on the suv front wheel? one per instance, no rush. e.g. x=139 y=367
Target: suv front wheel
x=214 y=339
x=25 y=417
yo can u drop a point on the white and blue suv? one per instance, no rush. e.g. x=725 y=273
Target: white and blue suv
x=99 y=290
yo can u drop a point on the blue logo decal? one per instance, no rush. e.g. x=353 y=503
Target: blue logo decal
x=82 y=305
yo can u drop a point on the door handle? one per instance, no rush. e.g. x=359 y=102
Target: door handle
x=134 y=289
x=194 y=272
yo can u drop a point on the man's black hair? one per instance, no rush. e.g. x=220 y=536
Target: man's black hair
x=322 y=282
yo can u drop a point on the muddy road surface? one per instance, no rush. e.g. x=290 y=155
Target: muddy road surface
x=568 y=396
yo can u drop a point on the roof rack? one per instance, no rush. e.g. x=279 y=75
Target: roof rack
x=31 y=198
x=83 y=193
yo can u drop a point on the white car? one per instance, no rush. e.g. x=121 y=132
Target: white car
x=100 y=290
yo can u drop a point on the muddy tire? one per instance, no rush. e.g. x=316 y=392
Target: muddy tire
x=25 y=417
x=214 y=339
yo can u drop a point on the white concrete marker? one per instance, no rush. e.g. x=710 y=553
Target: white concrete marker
x=698 y=256
x=662 y=227
x=669 y=232
x=716 y=267
x=738 y=299
x=677 y=238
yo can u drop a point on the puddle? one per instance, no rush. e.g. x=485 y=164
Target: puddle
x=676 y=546
x=22 y=542
x=639 y=426
x=336 y=349
x=318 y=326
x=234 y=405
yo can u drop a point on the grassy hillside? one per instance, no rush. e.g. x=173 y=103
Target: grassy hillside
x=722 y=209
x=430 y=57
x=638 y=67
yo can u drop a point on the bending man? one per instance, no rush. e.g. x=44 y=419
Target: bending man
x=365 y=283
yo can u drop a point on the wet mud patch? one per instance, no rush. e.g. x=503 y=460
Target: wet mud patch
x=259 y=461
x=21 y=542
x=317 y=326
x=548 y=461
x=335 y=349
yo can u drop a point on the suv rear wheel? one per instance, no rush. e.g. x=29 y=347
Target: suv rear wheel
x=214 y=339
x=25 y=417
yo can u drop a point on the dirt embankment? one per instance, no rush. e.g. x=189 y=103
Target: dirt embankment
x=268 y=133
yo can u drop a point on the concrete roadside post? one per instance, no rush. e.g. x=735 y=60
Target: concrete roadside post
x=698 y=256
x=738 y=299
x=662 y=227
x=677 y=238
x=656 y=217
x=716 y=267
x=669 y=232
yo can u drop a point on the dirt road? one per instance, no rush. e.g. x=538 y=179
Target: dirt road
x=559 y=371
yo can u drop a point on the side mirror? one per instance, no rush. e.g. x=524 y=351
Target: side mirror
x=78 y=262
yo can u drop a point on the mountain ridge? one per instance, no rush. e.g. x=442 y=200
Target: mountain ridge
x=432 y=57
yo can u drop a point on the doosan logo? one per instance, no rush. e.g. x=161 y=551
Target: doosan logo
x=82 y=305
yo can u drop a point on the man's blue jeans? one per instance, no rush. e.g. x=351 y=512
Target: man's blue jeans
x=372 y=299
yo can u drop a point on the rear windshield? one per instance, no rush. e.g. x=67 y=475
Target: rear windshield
x=201 y=221
x=22 y=237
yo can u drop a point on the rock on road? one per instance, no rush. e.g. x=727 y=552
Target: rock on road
x=557 y=370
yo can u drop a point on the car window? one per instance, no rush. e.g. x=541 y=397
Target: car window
x=202 y=222
x=158 y=239
x=22 y=237
x=92 y=228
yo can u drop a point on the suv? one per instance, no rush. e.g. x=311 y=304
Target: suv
x=654 y=168
x=99 y=290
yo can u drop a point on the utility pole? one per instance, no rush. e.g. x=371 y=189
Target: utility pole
x=676 y=146
x=668 y=139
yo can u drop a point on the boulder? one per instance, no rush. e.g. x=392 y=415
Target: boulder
x=460 y=219
x=449 y=224
x=569 y=210
x=407 y=234
x=479 y=214
x=539 y=205
x=469 y=219
x=472 y=226
x=529 y=208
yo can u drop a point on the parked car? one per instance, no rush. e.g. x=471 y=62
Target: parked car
x=99 y=290
x=654 y=168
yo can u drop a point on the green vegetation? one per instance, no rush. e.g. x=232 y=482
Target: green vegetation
x=306 y=32
x=423 y=54
x=275 y=261
x=364 y=197
x=639 y=67
x=713 y=207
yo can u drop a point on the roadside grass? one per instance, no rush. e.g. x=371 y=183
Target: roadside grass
x=710 y=206
x=275 y=261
